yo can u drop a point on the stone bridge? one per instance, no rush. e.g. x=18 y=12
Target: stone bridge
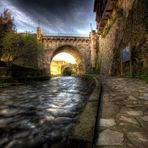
x=79 y=47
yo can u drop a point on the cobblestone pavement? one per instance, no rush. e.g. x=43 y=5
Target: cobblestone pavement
x=123 y=121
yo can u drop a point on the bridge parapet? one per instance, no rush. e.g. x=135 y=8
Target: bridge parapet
x=51 y=42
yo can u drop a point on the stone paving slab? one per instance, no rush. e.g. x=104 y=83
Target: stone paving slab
x=139 y=139
x=145 y=118
x=110 y=137
x=124 y=114
x=107 y=122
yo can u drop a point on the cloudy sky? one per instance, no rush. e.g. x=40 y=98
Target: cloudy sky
x=54 y=16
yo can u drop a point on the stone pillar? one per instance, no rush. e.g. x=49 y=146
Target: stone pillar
x=93 y=38
x=39 y=33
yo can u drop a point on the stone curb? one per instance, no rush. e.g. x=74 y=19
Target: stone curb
x=84 y=131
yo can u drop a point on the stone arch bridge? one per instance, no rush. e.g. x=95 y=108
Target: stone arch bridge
x=81 y=48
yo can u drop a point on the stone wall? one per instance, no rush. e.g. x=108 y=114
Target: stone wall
x=129 y=30
x=78 y=47
x=93 y=48
x=3 y=72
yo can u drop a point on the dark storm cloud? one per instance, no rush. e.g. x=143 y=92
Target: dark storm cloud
x=60 y=16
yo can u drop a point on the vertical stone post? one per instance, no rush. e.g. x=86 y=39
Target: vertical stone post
x=39 y=33
x=43 y=59
x=93 y=47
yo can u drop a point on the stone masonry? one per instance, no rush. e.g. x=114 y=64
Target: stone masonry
x=123 y=119
x=128 y=30
x=81 y=48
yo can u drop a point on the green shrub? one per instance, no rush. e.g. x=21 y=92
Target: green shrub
x=96 y=69
x=119 y=12
x=106 y=29
x=126 y=75
x=141 y=75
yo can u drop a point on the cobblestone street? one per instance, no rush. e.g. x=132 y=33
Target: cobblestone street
x=124 y=114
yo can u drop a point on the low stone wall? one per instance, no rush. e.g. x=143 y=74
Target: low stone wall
x=3 y=72
x=22 y=73
x=26 y=73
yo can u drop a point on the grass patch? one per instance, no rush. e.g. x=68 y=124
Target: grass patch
x=140 y=75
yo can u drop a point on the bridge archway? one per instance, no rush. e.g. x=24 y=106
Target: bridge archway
x=73 y=51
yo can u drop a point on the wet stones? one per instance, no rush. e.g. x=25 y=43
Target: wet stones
x=63 y=120
x=47 y=110
x=47 y=119
x=4 y=123
x=4 y=141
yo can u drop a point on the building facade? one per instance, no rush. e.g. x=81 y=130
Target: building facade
x=122 y=36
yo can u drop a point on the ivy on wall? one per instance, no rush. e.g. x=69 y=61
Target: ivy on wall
x=119 y=13
x=145 y=18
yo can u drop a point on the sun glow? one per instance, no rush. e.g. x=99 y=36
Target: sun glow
x=59 y=61
x=65 y=57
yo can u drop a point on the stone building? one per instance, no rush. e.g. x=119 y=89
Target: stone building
x=122 y=36
x=56 y=67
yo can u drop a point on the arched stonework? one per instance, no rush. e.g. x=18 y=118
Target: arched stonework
x=79 y=47
x=75 y=53
x=82 y=48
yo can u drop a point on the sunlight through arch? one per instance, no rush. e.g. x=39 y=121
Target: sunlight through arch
x=61 y=61
x=64 y=57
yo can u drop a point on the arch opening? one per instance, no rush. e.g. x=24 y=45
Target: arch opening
x=66 y=60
